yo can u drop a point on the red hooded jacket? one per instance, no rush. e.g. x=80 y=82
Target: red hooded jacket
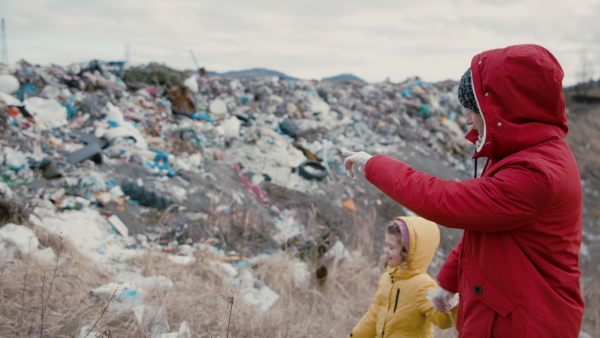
x=517 y=265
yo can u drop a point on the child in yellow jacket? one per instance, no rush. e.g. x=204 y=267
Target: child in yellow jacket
x=401 y=307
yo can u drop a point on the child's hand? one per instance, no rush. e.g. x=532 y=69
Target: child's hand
x=442 y=300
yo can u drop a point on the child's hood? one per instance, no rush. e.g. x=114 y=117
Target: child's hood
x=423 y=243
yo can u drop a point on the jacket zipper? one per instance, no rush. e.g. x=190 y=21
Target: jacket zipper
x=396 y=305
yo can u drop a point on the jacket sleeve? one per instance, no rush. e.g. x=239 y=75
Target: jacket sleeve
x=508 y=200
x=440 y=319
x=448 y=275
x=367 y=326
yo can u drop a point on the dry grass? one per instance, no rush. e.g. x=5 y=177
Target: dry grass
x=31 y=291
x=328 y=309
x=591 y=294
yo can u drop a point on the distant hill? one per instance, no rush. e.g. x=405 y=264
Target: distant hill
x=344 y=77
x=251 y=73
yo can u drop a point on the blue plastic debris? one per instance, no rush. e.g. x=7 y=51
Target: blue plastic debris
x=127 y=294
x=161 y=156
x=70 y=105
x=26 y=91
x=241 y=264
x=200 y=115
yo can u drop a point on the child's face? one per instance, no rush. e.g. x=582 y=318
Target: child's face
x=392 y=250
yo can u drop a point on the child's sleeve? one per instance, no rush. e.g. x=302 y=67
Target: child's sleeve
x=440 y=319
x=366 y=327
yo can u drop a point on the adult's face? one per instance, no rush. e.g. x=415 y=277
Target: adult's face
x=476 y=121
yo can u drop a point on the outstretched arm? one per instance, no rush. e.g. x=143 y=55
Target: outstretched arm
x=509 y=200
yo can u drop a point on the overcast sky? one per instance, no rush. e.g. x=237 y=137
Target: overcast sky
x=309 y=39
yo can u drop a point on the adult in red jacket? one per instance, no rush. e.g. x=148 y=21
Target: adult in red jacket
x=517 y=265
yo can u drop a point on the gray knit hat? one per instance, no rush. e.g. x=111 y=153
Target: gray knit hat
x=466 y=96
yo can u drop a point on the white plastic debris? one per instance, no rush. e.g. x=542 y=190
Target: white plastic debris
x=5 y=190
x=152 y=319
x=123 y=130
x=113 y=113
x=88 y=230
x=192 y=84
x=9 y=84
x=230 y=128
x=228 y=269
x=182 y=260
x=106 y=291
x=46 y=256
x=338 y=252
x=301 y=275
x=48 y=111
x=9 y=99
x=184 y=332
x=158 y=283
x=218 y=107
x=287 y=226
x=121 y=228
x=15 y=159
x=19 y=237
x=52 y=92
x=255 y=293
x=318 y=105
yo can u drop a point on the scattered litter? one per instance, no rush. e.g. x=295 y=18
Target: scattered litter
x=254 y=292
x=115 y=221
x=349 y=204
x=152 y=319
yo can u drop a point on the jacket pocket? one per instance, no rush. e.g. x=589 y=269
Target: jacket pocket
x=484 y=305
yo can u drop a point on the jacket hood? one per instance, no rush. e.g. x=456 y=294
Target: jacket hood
x=424 y=242
x=520 y=97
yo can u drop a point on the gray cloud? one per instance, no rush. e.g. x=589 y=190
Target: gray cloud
x=372 y=39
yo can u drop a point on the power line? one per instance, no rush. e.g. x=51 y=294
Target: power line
x=585 y=70
x=4 y=48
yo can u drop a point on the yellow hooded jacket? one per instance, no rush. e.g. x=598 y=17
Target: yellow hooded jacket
x=400 y=308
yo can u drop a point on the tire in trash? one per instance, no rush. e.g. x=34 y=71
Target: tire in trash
x=312 y=170
x=145 y=196
x=246 y=122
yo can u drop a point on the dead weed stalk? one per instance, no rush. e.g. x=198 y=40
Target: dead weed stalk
x=45 y=304
x=229 y=301
x=102 y=314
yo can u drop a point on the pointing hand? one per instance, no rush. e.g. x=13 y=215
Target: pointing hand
x=359 y=158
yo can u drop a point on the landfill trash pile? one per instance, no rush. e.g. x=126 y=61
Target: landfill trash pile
x=98 y=134
x=121 y=160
